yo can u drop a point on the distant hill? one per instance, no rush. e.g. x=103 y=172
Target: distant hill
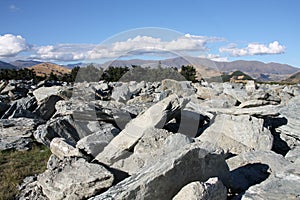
x=294 y=78
x=20 y=64
x=5 y=65
x=46 y=69
x=236 y=76
x=207 y=68
x=259 y=70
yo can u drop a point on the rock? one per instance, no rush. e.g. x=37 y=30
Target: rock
x=282 y=185
x=146 y=151
x=250 y=86
x=63 y=127
x=257 y=103
x=156 y=116
x=8 y=88
x=213 y=188
x=121 y=93
x=293 y=154
x=291 y=131
x=192 y=122
x=74 y=179
x=94 y=143
x=62 y=149
x=46 y=107
x=205 y=92
x=221 y=101
x=164 y=179
x=142 y=98
x=178 y=87
x=236 y=93
x=238 y=134
x=24 y=108
x=261 y=111
x=135 y=88
x=31 y=192
x=16 y=133
x=44 y=92
x=2 y=86
x=21 y=108
x=175 y=141
x=253 y=167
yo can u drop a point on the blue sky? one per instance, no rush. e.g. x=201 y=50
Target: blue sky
x=66 y=31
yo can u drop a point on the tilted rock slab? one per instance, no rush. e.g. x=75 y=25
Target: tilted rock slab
x=238 y=134
x=156 y=116
x=163 y=180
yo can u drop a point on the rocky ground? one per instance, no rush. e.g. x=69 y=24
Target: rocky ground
x=161 y=140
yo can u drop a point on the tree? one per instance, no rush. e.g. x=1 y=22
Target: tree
x=189 y=72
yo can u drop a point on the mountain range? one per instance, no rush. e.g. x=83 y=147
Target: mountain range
x=205 y=67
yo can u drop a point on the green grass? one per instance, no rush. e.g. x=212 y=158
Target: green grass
x=16 y=165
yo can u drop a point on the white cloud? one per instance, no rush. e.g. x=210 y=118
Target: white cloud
x=62 y=52
x=215 y=57
x=254 y=49
x=146 y=44
x=11 y=45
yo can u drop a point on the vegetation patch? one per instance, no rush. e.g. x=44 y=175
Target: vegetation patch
x=16 y=165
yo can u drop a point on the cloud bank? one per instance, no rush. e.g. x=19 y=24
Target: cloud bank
x=254 y=49
x=12 y=45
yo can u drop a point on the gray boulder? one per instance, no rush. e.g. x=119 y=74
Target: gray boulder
x=155 y=117
x=21 y=108
x=293 y=154
x=237 y=134
x=74 y=179
x=94 y=143
x=284 y=184
x=290 y=132
x=46 y=107
x=62 y=149
x=257 y=103
x=253 y=167
x=212 y=189
x=16 y=133
x=164 y=179
x=121 y=93
x=63 y=127
x=178 y=87
x=44 y=92
x=146 y=151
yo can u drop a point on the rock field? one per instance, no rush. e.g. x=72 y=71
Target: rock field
x=161 y=140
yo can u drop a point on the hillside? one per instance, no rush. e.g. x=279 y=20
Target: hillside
x=46 y=69
x=208 y=68
x=5 y=65
x=259 y=70
x=295 y=78
x=20 y=64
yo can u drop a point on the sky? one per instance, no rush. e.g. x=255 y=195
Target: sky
x=65 y=31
